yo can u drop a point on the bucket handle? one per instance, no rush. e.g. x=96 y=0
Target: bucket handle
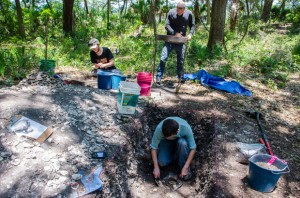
x=281 y=172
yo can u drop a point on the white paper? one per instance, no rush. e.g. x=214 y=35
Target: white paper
x=37 y=129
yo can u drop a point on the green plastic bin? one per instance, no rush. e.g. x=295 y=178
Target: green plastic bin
x=47 y=66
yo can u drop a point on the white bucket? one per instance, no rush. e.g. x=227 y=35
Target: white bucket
x=128 y=97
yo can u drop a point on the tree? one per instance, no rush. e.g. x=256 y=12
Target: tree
x=49 y=5
x=196 y=12
x=32 y=4
x=265 y=16
x=208 y=11
x=86 y=7
x=234 y=14
x=7 y=19
x=124 y=7
x=143 y=10
x=108 y=14
x=216 y=32
x=282 y=6
x=68 y=15
x=26 y=3
x=20 y=19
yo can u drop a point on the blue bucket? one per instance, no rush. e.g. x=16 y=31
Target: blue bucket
x=104 y=80
x=116 y=79
x=262 y=179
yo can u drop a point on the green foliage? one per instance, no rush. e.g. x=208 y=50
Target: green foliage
x=296 y=57
x=268 y=58
x=46 y=15
x=296 y=49
x=223 y=70
x=140 y=51
x=294 y=16
x=8 y=19
x=197 y=52
x=16 y=62
x=278 y=14
x=271 y=84
x=143 y=8
x=266 y=55
x=217 y=52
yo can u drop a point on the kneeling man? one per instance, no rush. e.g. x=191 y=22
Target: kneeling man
x=173 y=139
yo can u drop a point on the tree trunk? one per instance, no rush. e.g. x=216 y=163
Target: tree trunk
x=49 y=5
x=20 y=19
x=68 y=15
x=265 y=16
x=216 y=33
x=160 y=13
x=108 y=13
x=196 y=12
x=123 y=7
x=86 y=7
x=208 y=12
x=26 y=4
x=282 y=6
x=255 y=6
x=3 y=11
x=157 y=8
x=33 y=18
x=234 y=15
x=248 y=18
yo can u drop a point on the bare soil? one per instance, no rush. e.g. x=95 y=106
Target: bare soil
x=267 y=166
x=219 y=120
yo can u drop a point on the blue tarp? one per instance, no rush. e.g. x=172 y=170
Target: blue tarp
x=218 y=83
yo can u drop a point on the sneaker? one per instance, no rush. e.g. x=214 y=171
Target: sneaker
x=188 y=176
x=94 y=72
x=158 y=82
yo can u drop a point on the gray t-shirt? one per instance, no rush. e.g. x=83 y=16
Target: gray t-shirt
x=185 y=131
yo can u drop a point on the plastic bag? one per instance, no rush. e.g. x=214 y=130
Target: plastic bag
x=21 y=125
x=245 y=151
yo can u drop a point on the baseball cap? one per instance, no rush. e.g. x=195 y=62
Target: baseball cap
x=93 y=43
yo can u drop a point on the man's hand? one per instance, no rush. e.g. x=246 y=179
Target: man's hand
x=178 y=35
x=156 y=173
x=189 y=37
x=99 y=66
x=184 y=171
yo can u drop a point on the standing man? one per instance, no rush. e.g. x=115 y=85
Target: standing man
x=173 y=139
x=177 y=21
x=101 y=57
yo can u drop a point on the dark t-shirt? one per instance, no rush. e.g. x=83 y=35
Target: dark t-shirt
x=178 y=24
x=103 y=58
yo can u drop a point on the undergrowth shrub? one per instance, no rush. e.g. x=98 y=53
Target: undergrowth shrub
x=16 y=62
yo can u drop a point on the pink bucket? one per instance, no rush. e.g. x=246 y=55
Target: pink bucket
x=145 y=90
x=144 y=79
